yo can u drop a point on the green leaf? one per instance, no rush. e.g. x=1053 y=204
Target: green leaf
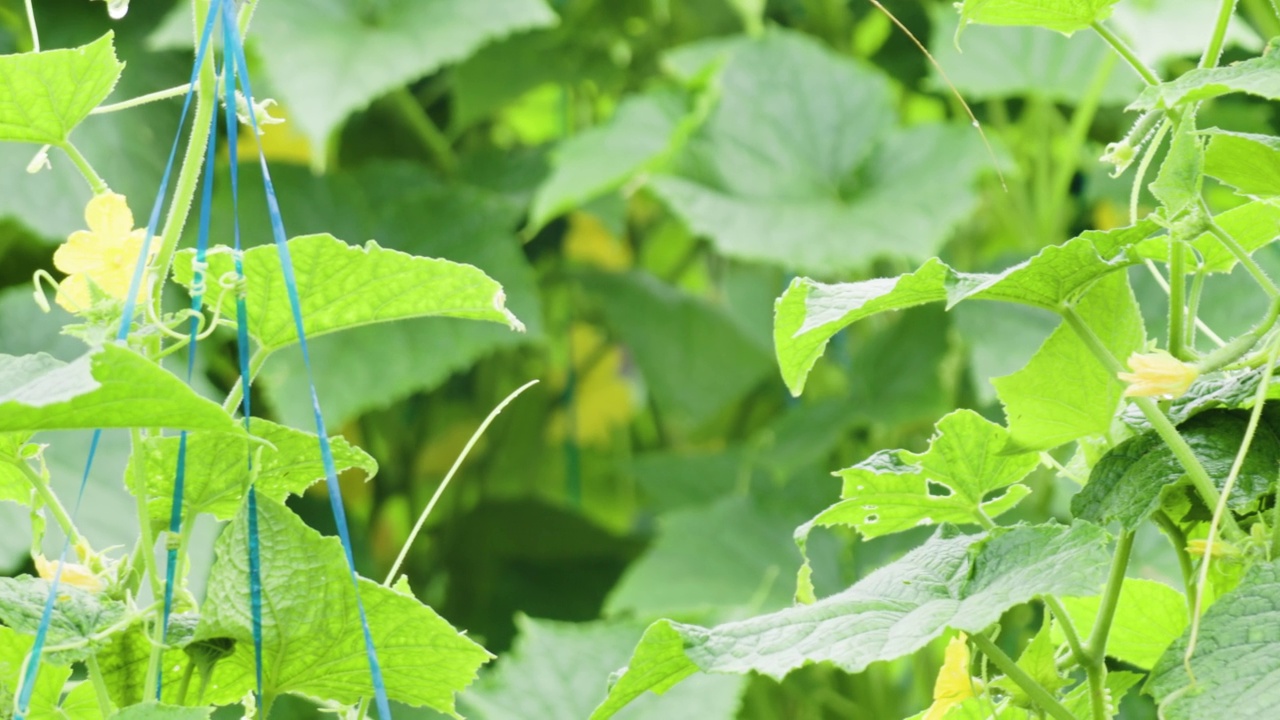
x=1249 y=163
x=1181 y=175
x=111 y=387
x=1065 y=16
x=14 y=648
x=1257 y=76
x=14 y=486
x=1234 y=389
x=159 y=711
x=1238 y=653
x=799 y=165
x=1038 y=661
x=559 y=670
x=896 y=490
x=696 y=360
x=733 y=554
x=1127 y=484
x=964 y=582
x=343 y=286
x=78 y=615
x=1005 y=62
x=1149 y=617
x=123 y=660
x=45 y=95
x=1080 y=703
x=810 y=313
x=332 y=58
x=1065 y=393
x=1252 y=225
x=217 y=469
x=603 y=158
x=313 y=643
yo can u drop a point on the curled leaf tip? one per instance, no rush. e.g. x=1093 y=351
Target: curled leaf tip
x=1157 y=374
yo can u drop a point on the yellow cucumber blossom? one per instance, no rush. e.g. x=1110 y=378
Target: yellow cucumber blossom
x=73 y=574
x=953 y=685
x=104 y=255
x=1157 y=374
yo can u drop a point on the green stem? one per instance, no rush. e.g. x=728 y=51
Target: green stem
x=1125 y=52
x=1159 y=421
x=41 y=485
x=184 y=684
x=432 y=139
x=256 y=362
x=1234 y=350
x=1068 y=629
x=1096 y=669
x=1241 y=255
x=96 y=183
x=1178 y=540
x=147 y=542
x=1214 y=50
x=1077 y=133
x=1177 y=298
x=1193 y=306
x=172 y=92
x=1034 y=690
x=31 y=23
x=99 y=685
x=1264 y=16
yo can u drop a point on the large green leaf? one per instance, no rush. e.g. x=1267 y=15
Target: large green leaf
x=965 y=582
x=1065 y=392
x=331 y=58
x=1065 y=16
x=1252 y=225
x=810 y=313
x=78 y=616
x=14 y=486
x=1249 y=163
x=696 y=360
x=14 y=648
x=343 y=286
x=896 y=490
x=1127 y=484
x=1149 y=617
x=603 y=158
x=560 y=670
x=217 y=471
x=313 y=643
x=158 y=711
x=1256 y=76
x=111 y=387
x=1004 y=62
x=799 y=164
x=44 y=95
x=1236 y=658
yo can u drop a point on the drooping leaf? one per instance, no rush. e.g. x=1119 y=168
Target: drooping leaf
x=696 y=360
x=1149 y=617
x=110 y=387
x=798 y=165
x=1237 y=654
x=312 y=636
x=1247 y=162
x=217 y=472
x=964 y=582
x=1256 y=76
x=603 y=158
x=14 y=648
x=810 y=313
x=1127 y=484
x=1065 y=392
x=560 y=670
x=343 y=286
x=1181 y=175
x=46 y=94
x=896 y=490
x=1065 y=16
x=331 y=59
x=78 y=615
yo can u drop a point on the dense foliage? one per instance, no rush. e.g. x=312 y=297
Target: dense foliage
x=740 y=244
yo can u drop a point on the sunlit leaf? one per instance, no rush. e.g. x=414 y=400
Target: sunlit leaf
x=44 y=95
x=1150 y=615
x=1256 y=76
x=1065 y=16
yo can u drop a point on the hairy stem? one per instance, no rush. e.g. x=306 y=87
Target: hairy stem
x=1035 y=690
x=1213 y=51
x=1241 y=255
x=1177 y=299
x=1096 y=669
x=96 y=183
x=41 y=485
x=256 y=362
x=1178 y=540
x=1126 y=53
x=1078 y=650
x=172 y=92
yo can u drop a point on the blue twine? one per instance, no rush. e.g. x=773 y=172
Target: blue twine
x=23 y=703
x=235 y=51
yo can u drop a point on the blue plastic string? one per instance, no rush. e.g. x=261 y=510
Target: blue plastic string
x=235 y=53
x=23 y=702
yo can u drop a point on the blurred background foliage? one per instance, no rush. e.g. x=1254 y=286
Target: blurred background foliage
x=644 y=177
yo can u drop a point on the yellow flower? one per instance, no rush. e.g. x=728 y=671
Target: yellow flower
x=603 y=399
x=1157 y=374
x=1221 y=548
x=105 y=254
x=953 y=685
x=73 y=574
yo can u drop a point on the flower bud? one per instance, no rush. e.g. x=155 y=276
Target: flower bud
x=1157 y=374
